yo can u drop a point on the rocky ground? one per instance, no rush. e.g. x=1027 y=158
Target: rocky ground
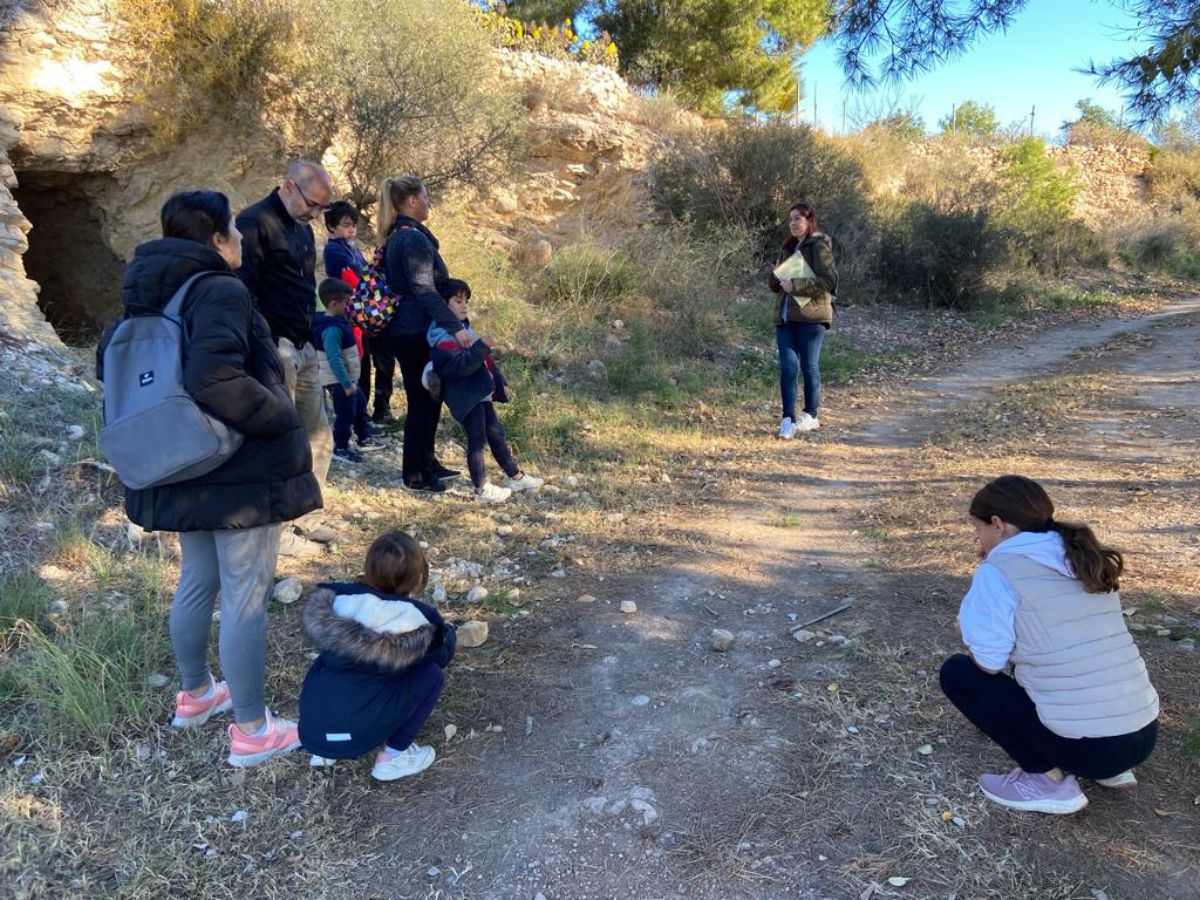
x=709 y=673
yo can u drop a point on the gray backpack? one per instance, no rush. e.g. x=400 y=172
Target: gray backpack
x=154 y=432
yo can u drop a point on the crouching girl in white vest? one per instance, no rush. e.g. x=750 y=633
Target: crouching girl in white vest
x=1079 y=702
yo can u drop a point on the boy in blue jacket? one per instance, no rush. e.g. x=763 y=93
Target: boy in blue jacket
x=469 y=381
x=379 y=674
x=339 y=370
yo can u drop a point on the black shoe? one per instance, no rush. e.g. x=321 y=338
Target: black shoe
x=382 y=417
x=346 y=454
x=441 y=473
x=425 y=487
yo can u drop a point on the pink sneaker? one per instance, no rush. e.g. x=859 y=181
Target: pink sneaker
x=191 y=711
x=1034 y=793
x=246 y=750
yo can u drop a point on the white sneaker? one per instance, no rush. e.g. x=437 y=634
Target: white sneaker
x=389 y=765
x=808 y=423
x=493 y=493
x=525 y=482
x=1125 y=780
x=787 y=429
x=321 y=761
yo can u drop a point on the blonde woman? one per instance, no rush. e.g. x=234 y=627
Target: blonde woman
x=416 y=273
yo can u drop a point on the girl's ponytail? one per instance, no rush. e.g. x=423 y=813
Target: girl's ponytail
x=1097 y=566
x=1022 y=502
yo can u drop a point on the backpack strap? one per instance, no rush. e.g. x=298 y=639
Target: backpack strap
x=174 y=306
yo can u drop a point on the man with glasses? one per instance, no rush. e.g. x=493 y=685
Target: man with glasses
x=279 y=267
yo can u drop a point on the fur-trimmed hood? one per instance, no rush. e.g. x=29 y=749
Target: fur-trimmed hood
x=363 y=627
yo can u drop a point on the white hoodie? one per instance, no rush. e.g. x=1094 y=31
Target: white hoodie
x=988 y=612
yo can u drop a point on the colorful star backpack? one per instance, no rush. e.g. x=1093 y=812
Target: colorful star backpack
x=373 y=303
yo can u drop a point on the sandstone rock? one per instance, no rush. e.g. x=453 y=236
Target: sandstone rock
x=439 y=594
x=472 y=634
x=628 y=607
x=287 y=591
x=640 y=700
x=803 y=636
x=722 y=639
x=477 y=594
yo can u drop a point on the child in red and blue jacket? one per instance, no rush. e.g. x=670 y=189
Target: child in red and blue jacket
x=470 y=383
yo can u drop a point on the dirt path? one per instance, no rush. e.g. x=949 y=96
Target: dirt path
x=634 y=761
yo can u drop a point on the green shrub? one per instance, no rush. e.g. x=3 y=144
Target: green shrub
x=638 y=366
x=417 y=94
x=748 y=175
x=974 y=120
x=1034 y=207
x=939 y=257
x=202 y=58
x=584 y=282
x=1173 y=180
x=1169 y=244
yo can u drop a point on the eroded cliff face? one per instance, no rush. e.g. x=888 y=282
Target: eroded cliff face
x=83 y=184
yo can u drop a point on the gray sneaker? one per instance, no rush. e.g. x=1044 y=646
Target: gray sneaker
x=1033 y=792
x=297 y=547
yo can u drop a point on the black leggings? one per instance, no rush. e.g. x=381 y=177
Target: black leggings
x=420 y=464
x=1001 y=709
x=484 y=429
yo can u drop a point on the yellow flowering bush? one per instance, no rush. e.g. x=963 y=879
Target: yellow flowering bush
x=560 y=40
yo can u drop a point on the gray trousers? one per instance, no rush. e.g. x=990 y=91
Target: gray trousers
x=302 y=377
x=239 y=565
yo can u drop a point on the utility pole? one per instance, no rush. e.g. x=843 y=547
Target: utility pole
x=814 y=105
x=1032 y=111
x=798 y=99
x=953 y=118
x=843 y=115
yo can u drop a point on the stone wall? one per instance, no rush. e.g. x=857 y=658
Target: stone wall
x=1111 y=178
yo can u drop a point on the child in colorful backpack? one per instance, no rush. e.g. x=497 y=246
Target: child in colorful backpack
x=380 y=672
x=339 y=370
x=470 y=381
x=1079 y=703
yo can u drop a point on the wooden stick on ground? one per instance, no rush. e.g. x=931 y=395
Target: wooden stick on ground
x=821 y=618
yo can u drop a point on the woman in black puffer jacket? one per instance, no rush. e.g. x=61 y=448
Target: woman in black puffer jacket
x=229 y=519
x=415 y=271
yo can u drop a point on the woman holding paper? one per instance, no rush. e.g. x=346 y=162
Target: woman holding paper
x=806 y=281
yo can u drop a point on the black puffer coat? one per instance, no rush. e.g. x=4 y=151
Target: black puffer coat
x=415 y=272
x=232 y=369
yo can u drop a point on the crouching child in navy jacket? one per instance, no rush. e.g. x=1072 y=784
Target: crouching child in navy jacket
x=468 y=381
x=379 y=674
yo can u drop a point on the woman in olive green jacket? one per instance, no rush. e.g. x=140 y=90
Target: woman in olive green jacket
x=803 y=313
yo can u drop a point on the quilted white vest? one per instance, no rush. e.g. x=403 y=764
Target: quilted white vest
x=349 y=359
x=1074 y=656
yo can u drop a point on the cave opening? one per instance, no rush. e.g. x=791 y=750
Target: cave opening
x=78 y=274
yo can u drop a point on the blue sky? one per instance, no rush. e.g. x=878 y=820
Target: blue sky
x=1029 y=65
